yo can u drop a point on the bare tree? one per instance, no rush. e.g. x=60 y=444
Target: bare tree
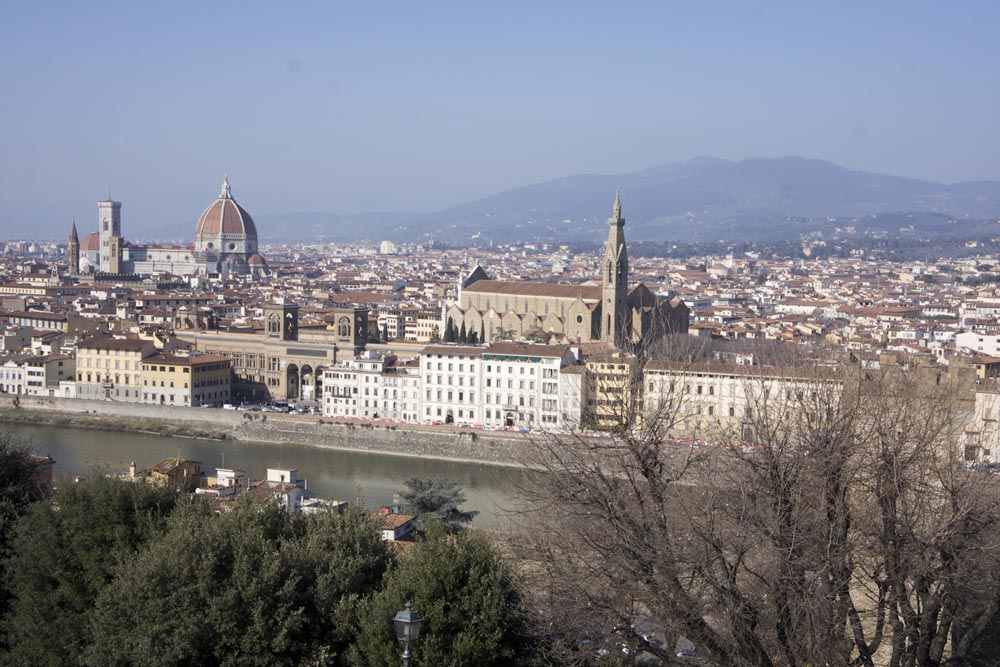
x=830 y=522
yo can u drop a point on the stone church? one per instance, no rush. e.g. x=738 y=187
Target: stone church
x=562 y=313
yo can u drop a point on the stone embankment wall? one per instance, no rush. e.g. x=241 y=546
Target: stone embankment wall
x=495 y=448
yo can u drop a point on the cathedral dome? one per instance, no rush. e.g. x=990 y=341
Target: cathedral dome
x=91 y=243
x=225 y=216
x=256 y=260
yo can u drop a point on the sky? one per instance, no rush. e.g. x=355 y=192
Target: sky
x=379 y=106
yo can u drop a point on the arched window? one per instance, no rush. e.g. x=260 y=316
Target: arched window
x=611 y=270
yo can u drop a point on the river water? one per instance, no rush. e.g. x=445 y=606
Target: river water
x=374 y=479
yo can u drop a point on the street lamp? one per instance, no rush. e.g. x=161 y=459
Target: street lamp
x=408 y=624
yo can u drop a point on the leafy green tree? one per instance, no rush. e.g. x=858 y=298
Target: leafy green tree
x=436 y=334
x=64 y=553
x=473 y=337
x=385 y=332
x=466 y=593
x=463 y=335
x=436 y=500
x=449 y=331
x=254 y=586
x=17 y=491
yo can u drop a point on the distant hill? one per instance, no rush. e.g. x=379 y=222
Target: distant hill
x=703 y=199
x=708 y=198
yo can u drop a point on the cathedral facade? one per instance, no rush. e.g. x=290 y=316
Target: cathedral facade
x=225 y=244
x=562 y=313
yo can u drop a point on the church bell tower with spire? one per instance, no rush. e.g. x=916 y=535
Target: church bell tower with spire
x=614 y=306
x=73 y=252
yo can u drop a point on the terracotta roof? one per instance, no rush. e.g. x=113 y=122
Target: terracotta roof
x=394 y=521
x=464 y=350
x=91 y=243
x=178 y=360
x=225 y=216
x=555 y=290
x=527 y=349
x=112 y=344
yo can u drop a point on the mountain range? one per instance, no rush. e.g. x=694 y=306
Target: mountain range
x=709 y=198
x=703 y=199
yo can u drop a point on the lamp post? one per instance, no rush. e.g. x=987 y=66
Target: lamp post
x=408 y=624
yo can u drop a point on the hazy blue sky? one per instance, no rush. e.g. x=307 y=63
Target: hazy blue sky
x=387 y=105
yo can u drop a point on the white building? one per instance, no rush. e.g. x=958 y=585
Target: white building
x=353 y=388
x=521 y=386
x=451 y=377
x=12 y=377
x=979 y=342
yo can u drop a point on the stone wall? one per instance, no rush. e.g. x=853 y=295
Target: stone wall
x=495 y=448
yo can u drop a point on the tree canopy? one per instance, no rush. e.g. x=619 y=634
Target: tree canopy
x=65 y=552
x=467 y=594
x=436 y=500
x=254 y=586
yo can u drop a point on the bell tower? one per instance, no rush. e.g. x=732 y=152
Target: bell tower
x=614 y=268
x=109 y=219
x=281 y=321
x=73 y=252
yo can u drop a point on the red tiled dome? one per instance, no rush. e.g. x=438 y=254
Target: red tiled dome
x=256 y=260
x=225 y=216
x=91 y=243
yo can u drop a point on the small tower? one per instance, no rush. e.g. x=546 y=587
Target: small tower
x=614 y=309
x=115 y=255
x=281 y=321
x=110 y=226
x=73 y=251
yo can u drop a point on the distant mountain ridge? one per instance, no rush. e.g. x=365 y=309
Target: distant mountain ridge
x=706 y=198
x=702 y=199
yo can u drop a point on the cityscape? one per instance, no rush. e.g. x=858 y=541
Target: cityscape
x=443 y=337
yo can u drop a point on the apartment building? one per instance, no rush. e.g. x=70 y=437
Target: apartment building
x=982 y=343
x=15 y=339
x=354 y=387
x=711 y=398
x=451 y=377
x=612 y=396
x=111 y=368
x=12 y=377
x=189 y=380
x=521 y=384
x=401 y=391
x=42 y=375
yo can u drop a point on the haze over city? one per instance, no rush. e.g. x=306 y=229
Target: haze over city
x=342 y=108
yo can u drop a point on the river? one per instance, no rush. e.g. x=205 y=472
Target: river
x=374 y=479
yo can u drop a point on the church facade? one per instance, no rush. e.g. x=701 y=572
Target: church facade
x=563 y=313
x=225 y=244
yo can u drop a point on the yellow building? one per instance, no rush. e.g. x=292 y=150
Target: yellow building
x=110 y=368
x=201 y=379
x=613 y=391
x=175 y=473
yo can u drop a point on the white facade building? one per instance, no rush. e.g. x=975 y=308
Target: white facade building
x=12 y=377
x=451 y=376
x=979 y=342
x=521 y=385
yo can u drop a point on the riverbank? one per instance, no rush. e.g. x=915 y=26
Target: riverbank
x=441 y=443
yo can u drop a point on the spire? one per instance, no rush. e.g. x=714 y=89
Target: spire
x=225 y=194
x=616 y=214
x=72 y=233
